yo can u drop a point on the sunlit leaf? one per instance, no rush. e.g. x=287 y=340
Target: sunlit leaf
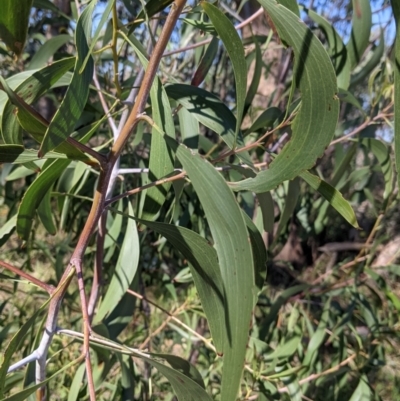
x=315 y=77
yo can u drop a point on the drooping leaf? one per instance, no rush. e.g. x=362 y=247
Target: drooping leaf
x=210 y=112
x=30 y=90
x=372 y=62
x=205 y=62
x=35 y=193
x=234 y=47
x=14 y=18
x=255 y=81
x=63 y=122
x=47 y=50
x=315 y=77
x=45 y=213
x=203 y=262
x=231 y=240
x=361 y=28
x=396 y=13
x=125 y=270
x=337 y=50
x=333 y=196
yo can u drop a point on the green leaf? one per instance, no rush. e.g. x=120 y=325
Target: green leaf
x=14 y=19
x=47 y=50
x=291 y=5
x=45 y=213
x=363 y=391
x=152 y=7
x=361 y=28
x=291 y=199
x=255 y=81
x=235 y=258
x=30 y=90
x=382 y=153
x=205 y=62
x=210 y=112
x=161 y=159
x=372 y=62
x=15 y=343
x=35 y=193
x=265 y=120
x=24 y=394
x=203 y=263
x=337 y=50
x=17 y=154
x=190 y=130
x=63 y=122
x=315 y=77
x=333 y=196
x=125 y=270
x=235 y=49
x=396 y=13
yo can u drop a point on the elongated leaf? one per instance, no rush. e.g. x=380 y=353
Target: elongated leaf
x=210 y=112
x=63 y=122
x=13 y=345
x=205 y=62
x=235 y=257
x=333 y=196
x=290 y=204
x=363 y=391
x=152 y=7
x=315 y=77
x=125 y=270
x=396 y=67
x=337 y=50
x=291 y=5
x=234 y=47
x=25 y=393
x=372 y=62
x=45 y=213
x=382 y=153
x=34 y=195
x=30 y=89
x=17 y=154
x=265 y=120
x=361 y=28
x=41 y=57
x=190 y=130
x=203 y=262
x=14 y=18
x=255 y=81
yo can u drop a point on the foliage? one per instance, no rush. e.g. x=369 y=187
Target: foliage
x=228 y=239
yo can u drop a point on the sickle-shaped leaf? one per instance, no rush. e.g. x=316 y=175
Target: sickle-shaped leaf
x=14 y=18
x=234 y=47
x=210 y=112
x=396 y=12
x=314 y=126
x=360 y=31
x=337 y=50
x=205 y=62
x=63 y=122
x=232 y=243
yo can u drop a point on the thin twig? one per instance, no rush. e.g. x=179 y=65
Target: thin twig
x=47 y=287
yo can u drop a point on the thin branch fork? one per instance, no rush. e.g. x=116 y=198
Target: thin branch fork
x=98 y=207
